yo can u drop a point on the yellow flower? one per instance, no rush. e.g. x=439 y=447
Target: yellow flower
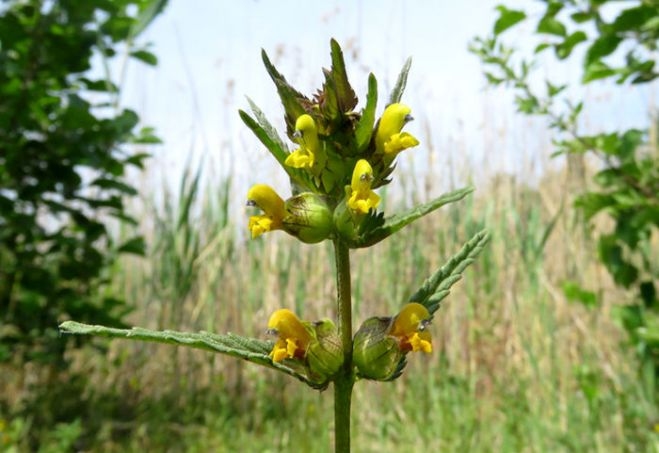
x=389 y=139
x=293 y=337
x=410 y=328
x=265 y=198
x=309 y=155
x=361 y=198
x=381 y=343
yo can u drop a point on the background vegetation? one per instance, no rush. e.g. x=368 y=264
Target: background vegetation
x=520 y=364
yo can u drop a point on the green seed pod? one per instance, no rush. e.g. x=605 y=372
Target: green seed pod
x=308 y=218
x=376 y=354
x=325 y=356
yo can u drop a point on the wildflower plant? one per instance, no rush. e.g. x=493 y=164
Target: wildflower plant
x=336 y=158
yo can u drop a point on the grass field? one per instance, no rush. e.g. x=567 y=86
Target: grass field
x=515 y=367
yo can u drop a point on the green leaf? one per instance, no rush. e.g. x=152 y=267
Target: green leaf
x=399 y=221
x=581 y=17
x=438 y=285
x=551 y=26
x=597 y=70
x=603 y=46
x=250 y=349
x=135 y=245
x=113 y=184
x=575 y=293
x=345 y=95
x=507 y=18
x=564 y=49
x=633 y=19
x=399 y=88
x=364 y=128
x=270 y=138
x=145 y=57
x=146 y=16
x=291 y=99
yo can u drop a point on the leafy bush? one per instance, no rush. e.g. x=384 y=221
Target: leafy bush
x=63 y=165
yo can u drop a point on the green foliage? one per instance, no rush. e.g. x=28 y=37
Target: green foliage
x=63 y=165
x=627 y=184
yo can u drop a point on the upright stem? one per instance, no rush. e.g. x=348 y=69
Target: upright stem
x=345 y=379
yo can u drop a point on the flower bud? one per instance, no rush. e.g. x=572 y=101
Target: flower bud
x=308 y=218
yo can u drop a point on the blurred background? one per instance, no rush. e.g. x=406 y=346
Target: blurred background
x=548 y=343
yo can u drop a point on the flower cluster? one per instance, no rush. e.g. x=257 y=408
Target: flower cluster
x=340 y=157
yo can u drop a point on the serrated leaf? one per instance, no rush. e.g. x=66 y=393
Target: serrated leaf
x=291 y=99
x=399 y=88
x=507 y=18
x=250 y=349
x=438 y=285
x=364 y=128
x=399 y=221
x=345 y=95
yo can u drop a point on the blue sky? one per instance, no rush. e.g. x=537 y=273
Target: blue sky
x=209 y=60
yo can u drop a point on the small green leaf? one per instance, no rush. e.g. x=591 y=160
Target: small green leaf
x=564 y=49
x=135 y=245
x=575 y=293
x=507 y=18
x=291 y=99
x=364 y=127
x=551 y=26
x=399 y=88
x=603 y=46
x=597 y=70
x=145 y=57
x=345 y=95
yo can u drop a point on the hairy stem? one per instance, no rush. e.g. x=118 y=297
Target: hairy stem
x=345 y=379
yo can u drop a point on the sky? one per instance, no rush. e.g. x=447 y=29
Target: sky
x=209 y=61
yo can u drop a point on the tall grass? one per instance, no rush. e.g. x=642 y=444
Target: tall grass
x=516 y=366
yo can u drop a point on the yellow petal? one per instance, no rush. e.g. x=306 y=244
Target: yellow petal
x=259 y=224
x=279 y=351
x=392 y=121
x=399 y=142
x=290 y=329
x=300 y=158
x=265 y=197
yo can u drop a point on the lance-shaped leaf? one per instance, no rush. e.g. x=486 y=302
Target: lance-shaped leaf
x=399 y=88
x=438 y=285
x=364 y=128
x=270 y=138
x=345 y=96
x=250 y=349
x=379 y=231
x=292 y=100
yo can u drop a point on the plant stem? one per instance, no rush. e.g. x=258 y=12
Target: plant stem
x=345 y=379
